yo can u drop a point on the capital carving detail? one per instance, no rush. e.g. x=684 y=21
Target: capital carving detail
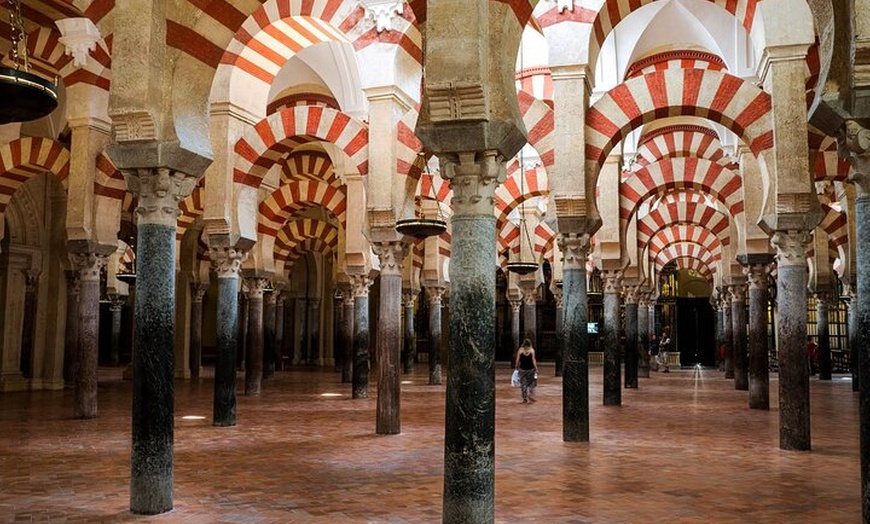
x=381 y=13
x=738 y=292
x=630 y=294
x=391 y=256
x=271 y=298
x=575 y=249
x=227 y=261
x=409 y=298
x=853 y=143
x=474 y=178
x=791 y=247
x=435 y=294
x=88 y=265
x=530 y=295
x=159 y=190
x=255 y=287
x=756 y=275
x=360 y=285
x=73 y=284
x=611 y=281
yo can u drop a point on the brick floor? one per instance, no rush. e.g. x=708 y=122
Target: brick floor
x=683 y=448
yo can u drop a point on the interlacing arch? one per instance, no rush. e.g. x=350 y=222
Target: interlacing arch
x=679 y=141
x=680 y=173
x=825 y=161
x=22 y=159
x=279 y=206
x=836 y=225
x=298 y=231
x=539 y=120
x=716 y=96
x=271 y=139
x=691 y=210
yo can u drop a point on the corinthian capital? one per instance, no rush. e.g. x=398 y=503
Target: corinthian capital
x=791 y=247
x=159 y=190
x=756 y=275
x=255 y=287
x=359 y=285
x=575 y=248
x=391 y=256
x=853 y=143
x=227 y=261
x=611 y=280
x=474 y=178
x=88 y=265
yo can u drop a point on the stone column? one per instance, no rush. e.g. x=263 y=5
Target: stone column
x=88 y=266
x=360 y=284
x=409 y=344
x=469 y=435
x=575 y=339
x=855 y=144
x=652 y=317
x=118 y=302
x=794 y=387
x=198 y=290
x=854 y=349
x=516 y=306
x=643 y=335
x=727 y=330
x=560 y=321
x=631 y=352
x=738 y=337
x=530 y=314
x=759 y=366
x=388 y=344
x=71 y=341
x=347 y=335
x=337 y=332
x=270 y=301
x=435 y=294
x=823 y=301
x=256 y=287
x=278 y=350
x=611 y=282
x=28 y=324
x=314 y=356
x=300 y=320
x=226 y=263
x=151 y=480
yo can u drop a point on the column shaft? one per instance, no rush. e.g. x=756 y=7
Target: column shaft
x=198 y=291
x=254 y=354
x=823 y=332
x=435 y=295
x=116 y=332
x=269 y=356
x=360 y=336
x=226 y=263
x=738 y=330
x=71 y=340
x=409 y=343
x=560 y=322
x=89 y=266
x=610 y=340
x=347 y=336
x=530 y=315
x=727 y=331
x=631 y=352
x=575 y=372
x=643 y=338
x=389 y=339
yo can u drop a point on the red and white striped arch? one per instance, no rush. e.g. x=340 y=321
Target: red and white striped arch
x=676 y=59
x=680 y=141
x=828 y=164
x=191 y=209
x=545 y=239
x=683 y=250
x=513 y=192
x=302 y=99
x=671 y=174
x=690 y=211
x=539 y=121
x=835 y=223
x=312 y=165
x=22 y=159
x=271 y=139
x=296 y=232
x=714 y=95
x=702 y=267
x=311 y=245
x=108 y=180
x=536 y=81
x=685 y=233
x=48 y=59
x=277 y=208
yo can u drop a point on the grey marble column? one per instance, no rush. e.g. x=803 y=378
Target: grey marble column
x=530 y=314
x=611 y=282
x=756 y=270
x=151 y=476
x=314 y=355
x=242 y=344
x=300 y=320
x=823 y=302
x=560 y=321
x=270 y=301
x=575 y=339
x=469 y=433
x=28 y=324
x=256 y=287
x=88 y=266
x=337 y=333
x=71 y=339
x=409 y=344
x=791 y=295
x=631 y=351
x=198 y=290
x=738 y=337
x=652 y=317
x=516 y=307
x=643 y=335
x=278 y=351
x=226 y=263
x=389 y=340
x=118 y=302
x=854 y=349
x=360 y=284
x=435 y=294
x=727 y=330
x=347 y=335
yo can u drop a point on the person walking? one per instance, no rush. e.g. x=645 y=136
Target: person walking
x=528 y=368
x=654 y=352
x=664 y=351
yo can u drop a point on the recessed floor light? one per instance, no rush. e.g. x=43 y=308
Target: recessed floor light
x=330 y=394
x=407 y=382
x=193 y=417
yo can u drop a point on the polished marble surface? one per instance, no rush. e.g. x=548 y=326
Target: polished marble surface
x=683 y=448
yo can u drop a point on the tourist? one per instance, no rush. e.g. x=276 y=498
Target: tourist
x=812 y=355
x=664 y=351
x=654 y=352
x=528 y=368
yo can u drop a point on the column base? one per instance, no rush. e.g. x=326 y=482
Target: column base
x=13 y=382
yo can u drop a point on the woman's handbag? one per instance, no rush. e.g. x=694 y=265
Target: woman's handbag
x=515 y=378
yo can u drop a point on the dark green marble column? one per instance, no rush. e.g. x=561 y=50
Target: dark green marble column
x=409 y=340
x=71 y=338
x=435 y=294
x=118 y=302
x=347 y=314
x=226 y=263
x=738 y=337
x=254 y=290
x=270 y=301
x=631 y=352
x=560 y=319
x=197 y=294
x=759 y=363
x=823 y=303
x=611 y=282
x=575 y=349
x=360 y=284
x=643 y=335
x=791 y=298
x=727 y=330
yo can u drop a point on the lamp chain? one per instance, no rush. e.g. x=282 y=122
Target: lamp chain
x=18 y=36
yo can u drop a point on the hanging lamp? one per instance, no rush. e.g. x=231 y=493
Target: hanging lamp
x=521 y=267
x=420 y=226
x=23 y=95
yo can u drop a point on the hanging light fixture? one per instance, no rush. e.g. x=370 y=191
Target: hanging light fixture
x=521 y=267
x=420 y=226
x=23 y=95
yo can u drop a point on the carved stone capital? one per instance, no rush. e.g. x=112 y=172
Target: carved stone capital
x=724 y=298
x=756 y=275
x=791 y=247
x=530 y=295
x=381 y=13
x=563 y=5
x=409 y=298
x=198 y=290
x=474 y=178
x=360 y=285
x=853 y=143
x=255 y=287
x=575 y=249
x=159 y=191
x=559 y=297
x=31 y=278
x=315 y=303
x=611 y=281
x=227 y=261
x=630 y=294
x=117 y=301
x=271 y=298
x=435 y=294
x=88 y=265
x=738 y=292
x=391 y=256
